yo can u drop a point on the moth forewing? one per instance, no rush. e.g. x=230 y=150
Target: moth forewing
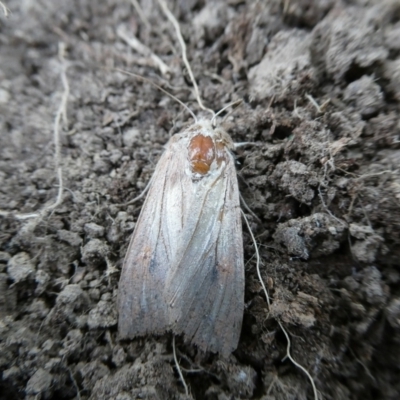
x=141 y=304
x=206 y=286
x=184 y=268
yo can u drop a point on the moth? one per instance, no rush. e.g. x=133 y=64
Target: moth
x=184 y=270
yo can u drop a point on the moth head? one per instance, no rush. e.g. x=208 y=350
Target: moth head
x=208 y=148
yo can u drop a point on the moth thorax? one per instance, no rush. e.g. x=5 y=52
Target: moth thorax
x=203 y=151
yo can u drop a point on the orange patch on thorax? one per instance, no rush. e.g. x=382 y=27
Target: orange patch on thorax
x=201 y=154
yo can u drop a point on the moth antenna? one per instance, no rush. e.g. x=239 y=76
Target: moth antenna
x=143 y=79
x=223 y=109
x=288 y=355
x=140 y=12
x=182 y=43
x=178 y=367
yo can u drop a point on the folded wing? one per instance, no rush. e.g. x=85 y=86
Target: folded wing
x=184 y=267
x=141 y=302
x=205 y=287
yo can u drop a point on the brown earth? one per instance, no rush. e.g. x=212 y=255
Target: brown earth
x=320 y=82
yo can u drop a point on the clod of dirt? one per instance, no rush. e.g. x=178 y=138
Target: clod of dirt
x=148 y=377
x=94 y=252
x=290 y=237
x=38 y=309
x=8 y=297
x=313 y=143
x=319 y=234
x=72 y=238
x=11 y=373
x=104 y=315
x=298 y=310
x=208 y=20
x=281 y=385
x=255 y=46
x=101 y=163
x=392 y=73
x=365 y=95
x=93 y=230
x=393 y=313
x=284 y=67
x=72 y=344
x=42 y=279
x=384 y=129
x=119 y=356
x=91 y=372
x=43 y=178
x=122 y=223
x=130 y=137
x=50 y=347
x=295 y=179
x=70 y=304
x=372 y=286
x=367 y=244
x=240 y=379
x=344 y=39
x=346 y=125
x=20 y=267
x=39 y=384
x=392 y=37
x=4 y=258
x=307 y=12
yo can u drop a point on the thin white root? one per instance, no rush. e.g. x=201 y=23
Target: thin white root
x=248 y=208
x=295 y=111
x=133 y=42
x=321 y=197
x=111 y=269
x=286 y=5
x=182 y=43
x=257 y=261
x=21 y=217
x=60 y=191
x=288 y=355
x=387 y=171
x=5 y=9
x=314 y=103
x=179 y=368
x=78 y=393
x=61 y=114
x=62 y=110
x=242 y=144
x=320 y=108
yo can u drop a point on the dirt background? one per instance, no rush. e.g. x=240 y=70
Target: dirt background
x=320 y=82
